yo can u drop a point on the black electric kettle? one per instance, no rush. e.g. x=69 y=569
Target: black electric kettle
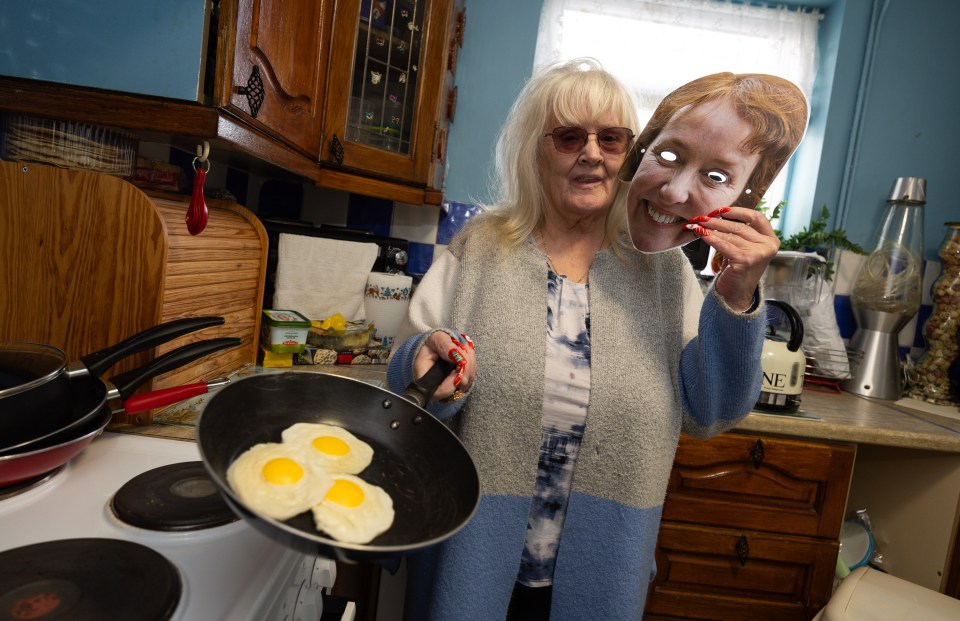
x=783 y=364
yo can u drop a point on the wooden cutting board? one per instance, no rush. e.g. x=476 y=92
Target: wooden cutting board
x=87 y=259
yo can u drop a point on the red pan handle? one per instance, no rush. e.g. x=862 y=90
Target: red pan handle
x=168 y=396
x=98 y=362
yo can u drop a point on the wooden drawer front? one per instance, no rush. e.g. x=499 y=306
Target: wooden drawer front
x=757 y=483
x=720 y=574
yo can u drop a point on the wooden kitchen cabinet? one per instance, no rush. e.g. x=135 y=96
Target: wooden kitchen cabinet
x=386 y=86
x=273 y=57
x=750 y=529
x=283 y=84
x=356 y=85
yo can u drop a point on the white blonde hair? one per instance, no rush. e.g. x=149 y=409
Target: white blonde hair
x=578 y=92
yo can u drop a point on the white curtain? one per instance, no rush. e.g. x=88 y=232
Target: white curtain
x=654 y=46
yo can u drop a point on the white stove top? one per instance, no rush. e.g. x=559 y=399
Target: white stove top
x=228 y=572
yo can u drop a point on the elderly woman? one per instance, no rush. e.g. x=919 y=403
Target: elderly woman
x=587 y=365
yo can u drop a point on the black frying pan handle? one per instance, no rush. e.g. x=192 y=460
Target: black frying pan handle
x=422 y=389
x=129 y=381
x=99 y=361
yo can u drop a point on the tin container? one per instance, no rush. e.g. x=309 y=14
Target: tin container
x=284 y=331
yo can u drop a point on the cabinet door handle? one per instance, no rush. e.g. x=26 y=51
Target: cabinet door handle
x=253 y=91
x=743 y=550
x=336 y=150
x=757 y=454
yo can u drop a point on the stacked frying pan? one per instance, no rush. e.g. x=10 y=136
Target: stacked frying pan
x=52 y=408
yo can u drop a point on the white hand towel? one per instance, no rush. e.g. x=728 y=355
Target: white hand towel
x=319 y=277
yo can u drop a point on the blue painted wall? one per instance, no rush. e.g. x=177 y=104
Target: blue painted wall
x=138 y=46
x=909 y=117
x=890 y=80
x=496 y=60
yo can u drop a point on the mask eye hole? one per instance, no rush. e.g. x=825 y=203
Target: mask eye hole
x=668 y=156
x=718 y=177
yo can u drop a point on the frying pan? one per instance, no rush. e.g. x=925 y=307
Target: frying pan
x=88 y=406
x=36 y=380
x=417 y=460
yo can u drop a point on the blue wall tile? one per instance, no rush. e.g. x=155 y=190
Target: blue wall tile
x=421 y=258
x=453 y=216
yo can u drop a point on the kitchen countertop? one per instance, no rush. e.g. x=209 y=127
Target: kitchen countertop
x=843 y=417
x=848 y=417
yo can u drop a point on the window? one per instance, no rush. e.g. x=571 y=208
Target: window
x=654 y=46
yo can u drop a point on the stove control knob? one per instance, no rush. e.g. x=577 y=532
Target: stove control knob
x=302 y=604
x=324 y=574
x=309 y=605
x=398 y=256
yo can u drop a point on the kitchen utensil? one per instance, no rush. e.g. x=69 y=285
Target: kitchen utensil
x=48 y=456
x=166 y=396
x=783 y=365
x=196 y=218
x=886 y=293
x=35 y=377
x=40 y=408
x=92 y=413
x=417 y=459
x=385 y=303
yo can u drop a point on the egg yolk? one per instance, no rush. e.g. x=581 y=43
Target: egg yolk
x=345 y=493
x=282 y=471
x=330 y=445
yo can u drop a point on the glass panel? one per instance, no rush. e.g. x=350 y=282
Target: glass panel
x=385 y=71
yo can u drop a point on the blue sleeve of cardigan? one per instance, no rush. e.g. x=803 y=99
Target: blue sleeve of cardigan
x=720 y=372
x=400 y=373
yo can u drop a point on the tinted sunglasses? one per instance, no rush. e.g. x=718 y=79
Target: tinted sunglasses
x=615 y=140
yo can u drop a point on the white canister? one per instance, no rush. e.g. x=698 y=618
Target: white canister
x=385 y=301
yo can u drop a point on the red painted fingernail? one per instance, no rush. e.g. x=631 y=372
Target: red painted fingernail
x=455 y=355
x=459 y=377
x=702 y=232
x=697 y=219
x=718 y=211
x=468 y=340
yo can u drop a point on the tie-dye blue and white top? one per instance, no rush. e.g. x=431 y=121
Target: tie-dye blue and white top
x=566 y=395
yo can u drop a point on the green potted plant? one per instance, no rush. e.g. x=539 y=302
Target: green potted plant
x=814 y=238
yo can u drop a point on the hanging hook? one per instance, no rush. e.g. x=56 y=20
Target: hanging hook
x=203 y=151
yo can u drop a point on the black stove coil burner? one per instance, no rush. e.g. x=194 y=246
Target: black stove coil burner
x=177 y=497
x=88 y=580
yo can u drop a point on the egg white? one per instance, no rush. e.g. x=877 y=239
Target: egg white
x=278 y=501
x=359 y=524
x=304 y=436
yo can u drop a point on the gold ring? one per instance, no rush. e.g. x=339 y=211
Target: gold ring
x=456 y=396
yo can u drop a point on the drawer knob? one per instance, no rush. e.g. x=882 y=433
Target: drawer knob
x=757 y=454
x=743 y=550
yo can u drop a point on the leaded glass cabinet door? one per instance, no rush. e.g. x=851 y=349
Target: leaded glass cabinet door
x=384 y=89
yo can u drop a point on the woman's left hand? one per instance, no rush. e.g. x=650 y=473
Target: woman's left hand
x=745 y=239
x=460 y=351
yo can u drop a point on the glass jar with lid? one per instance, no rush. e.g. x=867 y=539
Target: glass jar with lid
x=931 y=380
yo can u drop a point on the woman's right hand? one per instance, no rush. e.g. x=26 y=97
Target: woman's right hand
x=441 y=346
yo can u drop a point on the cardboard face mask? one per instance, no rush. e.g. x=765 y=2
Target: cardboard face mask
x=700 y=152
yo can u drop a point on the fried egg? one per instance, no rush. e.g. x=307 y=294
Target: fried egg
x=331 y=448
x=353 y=511
x=277 y=480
